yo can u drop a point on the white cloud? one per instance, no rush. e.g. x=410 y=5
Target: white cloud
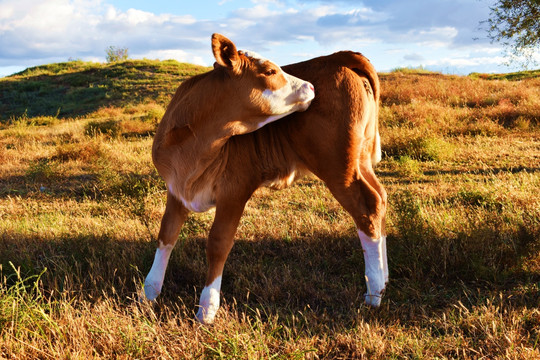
x=174 y=54
x=389 y=31
x=413 y=57
x=60 y=29
x=466 y=62
x=255 y=13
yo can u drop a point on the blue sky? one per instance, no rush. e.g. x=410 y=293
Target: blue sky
x=442 y=35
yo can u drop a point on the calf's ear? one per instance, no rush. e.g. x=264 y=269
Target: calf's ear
x=225 y=53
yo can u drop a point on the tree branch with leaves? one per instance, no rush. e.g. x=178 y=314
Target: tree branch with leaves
x=516 y=25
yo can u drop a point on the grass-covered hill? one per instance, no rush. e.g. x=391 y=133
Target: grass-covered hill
x=81 y=204
x=76 y=87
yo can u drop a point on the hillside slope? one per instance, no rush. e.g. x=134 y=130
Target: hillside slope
x=76 y=88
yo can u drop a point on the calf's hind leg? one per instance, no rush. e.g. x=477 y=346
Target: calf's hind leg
x=174 y=217
x=218 y=247
x=365 y=199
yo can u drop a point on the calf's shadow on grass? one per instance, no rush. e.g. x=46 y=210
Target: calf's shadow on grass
x=80 y=187
x=476 y=171
x=320 y=277
x=88 y=185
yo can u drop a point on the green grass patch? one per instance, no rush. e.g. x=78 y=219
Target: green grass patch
x=42 y=170
x=419 y=70
x=410 y=146
x=514 y=76
x=109 y=128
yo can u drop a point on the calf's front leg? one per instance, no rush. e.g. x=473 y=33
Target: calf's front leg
x=175 y=215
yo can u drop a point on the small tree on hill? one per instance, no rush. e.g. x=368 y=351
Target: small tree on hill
x=115 y=54
x=516 y=24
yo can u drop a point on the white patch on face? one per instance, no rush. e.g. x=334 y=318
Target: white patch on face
x=278 y=99
x=209 y=302
x=296 y=95
x=376 y=267
x=254 y=55
x=154 y=279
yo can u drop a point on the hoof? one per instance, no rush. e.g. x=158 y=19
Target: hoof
x=206 y=317
x=373 y=300
x=209 y=302
x=151 y=291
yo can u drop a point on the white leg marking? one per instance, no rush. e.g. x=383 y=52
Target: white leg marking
x=209 y=302
x=385 y=260
x=377 y=155
x=154 y=279
x=376 y=267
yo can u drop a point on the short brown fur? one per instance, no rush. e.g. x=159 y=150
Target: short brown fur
x=335 y=139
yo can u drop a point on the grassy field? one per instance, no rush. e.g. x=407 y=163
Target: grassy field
x=80 y=205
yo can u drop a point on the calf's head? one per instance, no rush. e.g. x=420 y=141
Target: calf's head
x=261 y=91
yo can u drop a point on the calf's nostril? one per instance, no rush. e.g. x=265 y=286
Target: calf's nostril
x=308 y=86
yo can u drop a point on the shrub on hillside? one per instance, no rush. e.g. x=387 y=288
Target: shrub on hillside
x=136 y=127
x=108 y=128
x=86 y=151
x=42 y=170
x=115 y=54
x=415 y=146
x=154 y=114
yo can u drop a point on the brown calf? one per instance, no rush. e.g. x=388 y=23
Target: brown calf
x=207 y=150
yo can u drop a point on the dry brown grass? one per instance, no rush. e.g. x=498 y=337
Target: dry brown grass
x=79 y=211
x=451 y=105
